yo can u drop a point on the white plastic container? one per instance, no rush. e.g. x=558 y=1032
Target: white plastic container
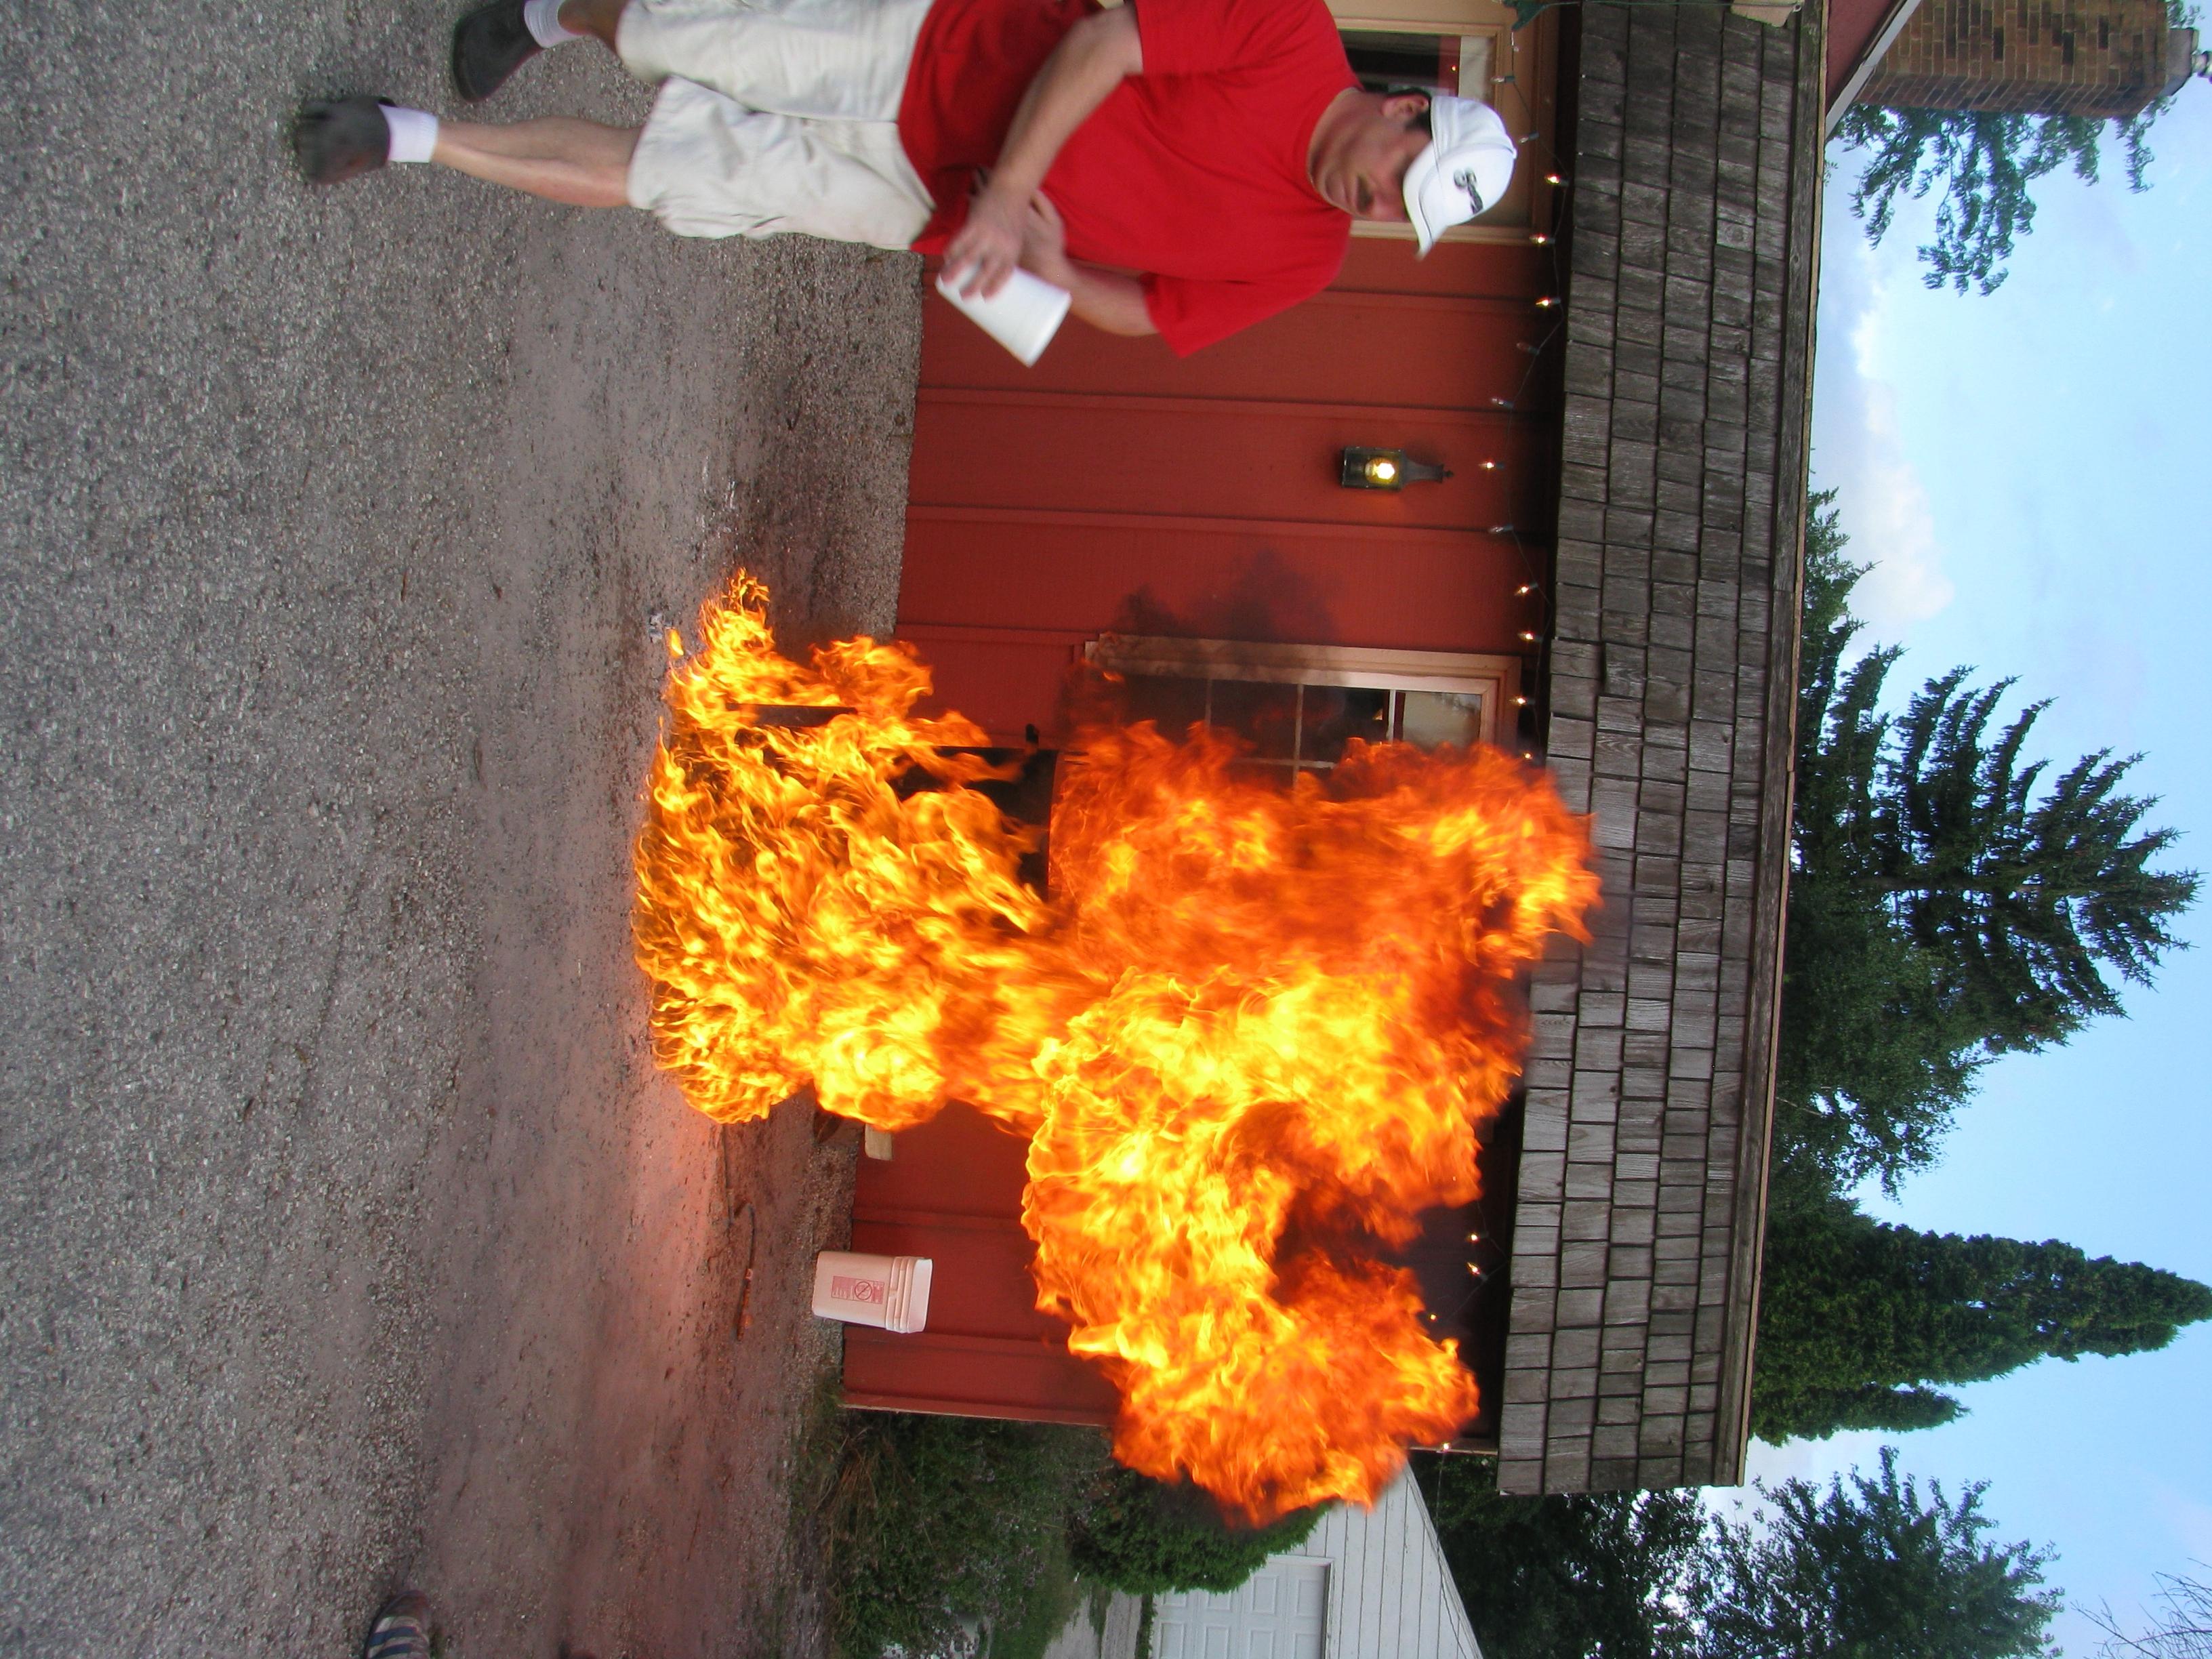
x=1022 y=316
x=890 y=1292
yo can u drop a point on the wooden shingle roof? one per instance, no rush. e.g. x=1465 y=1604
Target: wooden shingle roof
x=1639 y=1215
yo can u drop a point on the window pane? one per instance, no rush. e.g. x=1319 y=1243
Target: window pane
x=1388 y=61
x=1434 y=717
x=1266 y=714
x=1335 y=714
x=1173 y=705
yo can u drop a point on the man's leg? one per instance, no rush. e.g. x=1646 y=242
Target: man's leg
x=501 y=36
x=561 y=159
x=819 y=60
x=599 y=18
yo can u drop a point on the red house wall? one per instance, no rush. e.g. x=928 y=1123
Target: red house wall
x=1117 y=488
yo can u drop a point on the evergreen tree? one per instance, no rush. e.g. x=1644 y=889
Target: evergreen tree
x=1565 y=1577
x=1860 y=1324
x=1871 y=1064
x=1941 y=909
x=1984 y=161
x=1868 y=1569
x=2025 y=899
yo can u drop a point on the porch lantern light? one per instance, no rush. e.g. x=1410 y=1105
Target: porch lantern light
x=1384 y=469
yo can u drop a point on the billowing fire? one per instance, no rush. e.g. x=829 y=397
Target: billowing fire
x=1249 y=1035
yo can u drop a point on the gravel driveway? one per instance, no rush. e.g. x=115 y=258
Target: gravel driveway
x=350 y=1239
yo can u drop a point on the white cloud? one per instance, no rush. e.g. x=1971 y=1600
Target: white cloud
x=2190 y=1519
x=1859 y=450
x=1815 y=1461
x=1891 y=526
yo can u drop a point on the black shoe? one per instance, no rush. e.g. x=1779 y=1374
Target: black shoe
x=340 y=139
x=491 y=44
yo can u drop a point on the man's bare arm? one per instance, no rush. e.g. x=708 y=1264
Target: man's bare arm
x=1090 y=62
x=1104 y=299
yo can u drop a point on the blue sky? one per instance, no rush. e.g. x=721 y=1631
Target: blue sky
x=2030 y=469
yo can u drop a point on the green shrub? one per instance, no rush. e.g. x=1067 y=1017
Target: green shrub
x=1141 y=1536
x=934 y=1519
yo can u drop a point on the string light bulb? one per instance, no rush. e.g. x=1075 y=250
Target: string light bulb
x=1524 y=589
x=1547 y=302
x=1539 y=240
x=1489 y=466
x=1554 y=178
x=1520 y=703
x=1527 y=637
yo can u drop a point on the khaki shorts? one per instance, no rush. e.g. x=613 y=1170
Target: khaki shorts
x=781 y=116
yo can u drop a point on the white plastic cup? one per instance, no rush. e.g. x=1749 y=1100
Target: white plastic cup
x=890 y=1292
x=1022 y=316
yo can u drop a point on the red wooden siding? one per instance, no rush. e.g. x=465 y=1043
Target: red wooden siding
x=1118 y=487
x=987 y=1352
x=1115 y=487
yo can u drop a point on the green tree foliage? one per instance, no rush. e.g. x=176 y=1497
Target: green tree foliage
x=1870 y=1569
x=1951 y=899
x=1568 y=1577
x=1871 y=1064
x=1984 y=161
x=1862 y=1323
x=932 y=1519
x=2027 y=899
x=1139 y=1535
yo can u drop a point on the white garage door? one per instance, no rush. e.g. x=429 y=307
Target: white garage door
x=1281 y=1612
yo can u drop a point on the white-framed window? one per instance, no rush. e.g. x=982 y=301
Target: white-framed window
x=1298 y=706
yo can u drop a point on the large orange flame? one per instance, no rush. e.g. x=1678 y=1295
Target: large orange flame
x=1250 y=1035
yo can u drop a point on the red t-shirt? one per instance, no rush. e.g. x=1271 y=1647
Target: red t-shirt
x=1192 y=173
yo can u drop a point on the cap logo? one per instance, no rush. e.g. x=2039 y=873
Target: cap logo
x=1465 y=182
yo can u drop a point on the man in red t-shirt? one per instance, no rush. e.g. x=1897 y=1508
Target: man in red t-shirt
x=1183 y=168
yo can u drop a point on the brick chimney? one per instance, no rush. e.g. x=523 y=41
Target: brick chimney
x=2097 y=57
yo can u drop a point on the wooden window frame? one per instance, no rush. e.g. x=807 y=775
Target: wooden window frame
x=1496 y=680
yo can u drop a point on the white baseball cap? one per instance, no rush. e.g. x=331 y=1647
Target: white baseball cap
x=1467 y=169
